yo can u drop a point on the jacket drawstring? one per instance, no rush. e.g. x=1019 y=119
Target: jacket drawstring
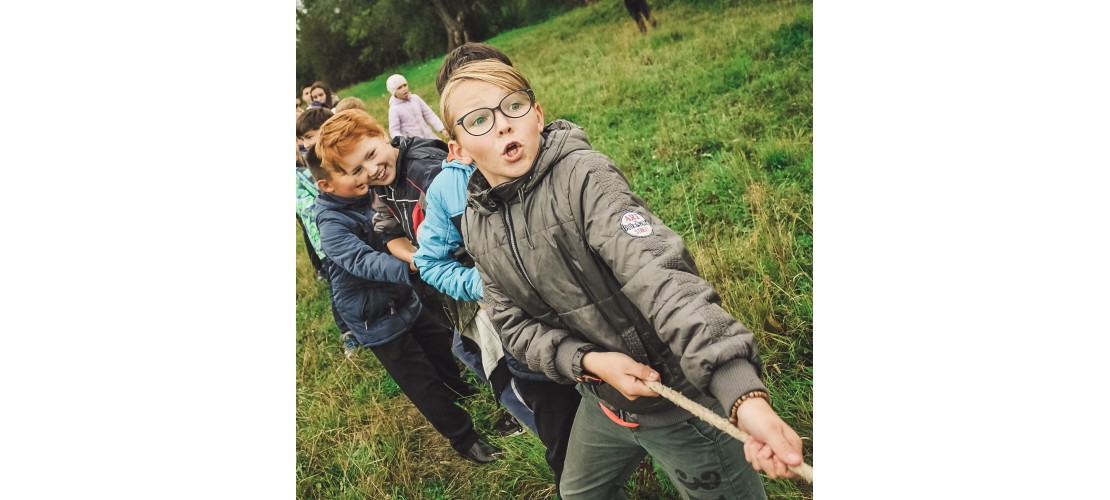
x=524 y=210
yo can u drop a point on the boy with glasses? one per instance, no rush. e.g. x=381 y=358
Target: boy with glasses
x=588 y=286
x=545 y=407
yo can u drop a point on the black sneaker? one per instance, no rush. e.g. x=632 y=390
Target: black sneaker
x=508 y=425
x=482 y=452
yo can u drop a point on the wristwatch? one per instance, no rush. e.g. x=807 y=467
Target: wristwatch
x=580 y=374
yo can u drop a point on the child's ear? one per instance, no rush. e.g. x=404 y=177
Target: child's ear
x=539 y=115
x=459 y=153
x=323 y=185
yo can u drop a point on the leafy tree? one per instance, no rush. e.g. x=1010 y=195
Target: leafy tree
x=346 y=41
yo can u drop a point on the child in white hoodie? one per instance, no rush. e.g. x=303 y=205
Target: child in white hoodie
x=409 y=115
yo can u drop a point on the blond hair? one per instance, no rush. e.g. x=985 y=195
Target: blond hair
x=340 y=134
x=351 y=102
x=492 y=72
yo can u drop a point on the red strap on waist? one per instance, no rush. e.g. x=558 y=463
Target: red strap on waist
x=612 y=416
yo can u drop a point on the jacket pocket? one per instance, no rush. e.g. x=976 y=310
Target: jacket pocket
x=379 y=301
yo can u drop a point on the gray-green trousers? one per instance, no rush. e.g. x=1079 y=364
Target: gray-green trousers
x=702 y=462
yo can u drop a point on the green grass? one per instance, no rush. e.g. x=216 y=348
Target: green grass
x=710 y=117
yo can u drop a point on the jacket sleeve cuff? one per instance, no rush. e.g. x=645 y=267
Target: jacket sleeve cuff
x=565 y=354
x=732 y=379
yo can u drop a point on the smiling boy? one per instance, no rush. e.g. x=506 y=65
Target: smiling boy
x=397 y=172
x=375 y=292
x=587 y=285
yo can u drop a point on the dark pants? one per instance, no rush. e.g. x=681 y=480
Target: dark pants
x=554 y=406
x=421 y=363
x=637 y=9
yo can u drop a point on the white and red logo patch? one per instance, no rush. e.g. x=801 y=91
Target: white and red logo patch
x=635 y=225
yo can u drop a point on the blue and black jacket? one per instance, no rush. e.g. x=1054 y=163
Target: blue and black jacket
x=372 y=289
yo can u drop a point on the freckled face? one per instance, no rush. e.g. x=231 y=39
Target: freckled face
x=376 y=159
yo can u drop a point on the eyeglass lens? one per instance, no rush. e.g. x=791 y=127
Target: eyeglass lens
x=481 y=121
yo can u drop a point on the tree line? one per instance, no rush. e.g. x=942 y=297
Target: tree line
x=343 y=42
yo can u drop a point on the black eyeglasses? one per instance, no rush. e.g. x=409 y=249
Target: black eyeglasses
x=515 y=105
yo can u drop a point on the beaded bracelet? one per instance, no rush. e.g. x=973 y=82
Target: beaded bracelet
x=732 y=418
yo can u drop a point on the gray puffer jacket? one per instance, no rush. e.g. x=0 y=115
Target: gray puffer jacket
x=570 y=257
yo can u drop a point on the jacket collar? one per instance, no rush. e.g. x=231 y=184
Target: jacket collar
x=402 y=144
x=336 y=202
x=406 y=147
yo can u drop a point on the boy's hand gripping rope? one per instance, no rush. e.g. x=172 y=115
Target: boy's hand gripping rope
x=805 y=470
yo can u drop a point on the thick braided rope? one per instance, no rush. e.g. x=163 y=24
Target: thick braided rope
x=804 y=470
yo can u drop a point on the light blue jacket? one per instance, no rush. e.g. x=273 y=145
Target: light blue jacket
x=439 y=237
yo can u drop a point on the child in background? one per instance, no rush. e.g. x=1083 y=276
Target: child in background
x=409 y=115
x=376 y=293
x=351 y=102
x=587 y=285
x=306 y=200
x=322 y=96
x=306 y=196
x=443 y=263
x=306 y=95
x=308 y=131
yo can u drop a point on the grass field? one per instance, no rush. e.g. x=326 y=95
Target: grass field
x=710 y=117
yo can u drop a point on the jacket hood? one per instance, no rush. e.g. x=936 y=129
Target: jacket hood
x=407 y=146
x=559 y=139
x=458 y=165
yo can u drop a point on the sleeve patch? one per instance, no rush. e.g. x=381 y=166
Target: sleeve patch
x=635 y=225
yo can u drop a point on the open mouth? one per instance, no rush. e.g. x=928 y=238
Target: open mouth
x=513 y=151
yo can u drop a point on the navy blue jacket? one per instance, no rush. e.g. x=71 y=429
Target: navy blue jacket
x=372 y=289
